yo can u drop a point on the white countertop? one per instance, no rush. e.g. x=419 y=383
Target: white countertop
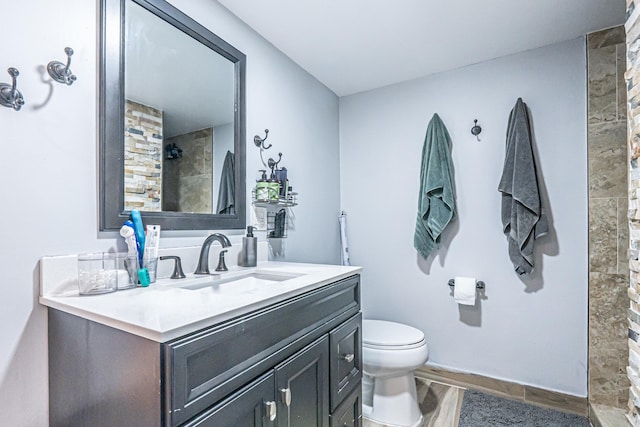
x=164 y=311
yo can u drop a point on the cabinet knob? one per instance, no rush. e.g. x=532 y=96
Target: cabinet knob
x=285 y=394
x=348 y=357
x=270 y=410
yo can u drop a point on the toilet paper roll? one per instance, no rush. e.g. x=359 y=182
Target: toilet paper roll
x=464 y=291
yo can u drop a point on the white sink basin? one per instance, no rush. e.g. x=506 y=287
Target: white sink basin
x=238 y=283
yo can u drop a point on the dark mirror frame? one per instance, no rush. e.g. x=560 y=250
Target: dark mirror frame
x=111 y=121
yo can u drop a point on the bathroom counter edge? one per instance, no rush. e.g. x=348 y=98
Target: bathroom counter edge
x=164 y=311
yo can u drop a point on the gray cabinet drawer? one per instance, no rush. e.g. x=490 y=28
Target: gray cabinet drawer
x=204 y=367
x=349 y=412
x=345 y=343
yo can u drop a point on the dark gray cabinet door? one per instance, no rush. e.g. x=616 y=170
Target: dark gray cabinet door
x=345 y=344
x=302 y=387
x=252 y=406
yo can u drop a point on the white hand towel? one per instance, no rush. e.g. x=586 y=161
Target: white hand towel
x=343 y=239
x=464 y=291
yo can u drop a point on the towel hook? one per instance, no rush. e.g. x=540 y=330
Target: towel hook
x=10 y=96
x=273 y=164
x=475 y=130
x=60 y=72
x=260 y=141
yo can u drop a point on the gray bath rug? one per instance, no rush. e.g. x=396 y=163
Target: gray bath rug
x=483 y=410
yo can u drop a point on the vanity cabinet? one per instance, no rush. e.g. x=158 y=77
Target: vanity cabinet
x=293 y=363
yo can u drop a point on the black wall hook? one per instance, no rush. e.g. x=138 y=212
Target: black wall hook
x=273 y=164
x=475 y=130
x=260 y=141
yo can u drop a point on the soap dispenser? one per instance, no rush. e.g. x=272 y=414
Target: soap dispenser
x=262 y=187
x=249 y=249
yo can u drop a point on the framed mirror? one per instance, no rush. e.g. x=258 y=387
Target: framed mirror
x=172 y=120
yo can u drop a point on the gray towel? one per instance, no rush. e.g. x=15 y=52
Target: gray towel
x=436 y=200
x=227 y=191
x=523 y=219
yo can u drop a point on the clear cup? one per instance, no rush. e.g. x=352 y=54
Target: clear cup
x=127 y=270
x=151 y=264
x=97 y=273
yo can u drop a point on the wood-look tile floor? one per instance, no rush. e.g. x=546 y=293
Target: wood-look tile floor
x=440 y=404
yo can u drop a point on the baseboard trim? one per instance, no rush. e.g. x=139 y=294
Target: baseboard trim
x=524 y=393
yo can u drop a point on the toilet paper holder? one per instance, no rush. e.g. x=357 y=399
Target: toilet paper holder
x=479 y=283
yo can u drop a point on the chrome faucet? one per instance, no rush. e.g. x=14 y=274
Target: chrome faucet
x=203 y=261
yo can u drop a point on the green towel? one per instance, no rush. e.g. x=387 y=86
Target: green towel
x=436 y=200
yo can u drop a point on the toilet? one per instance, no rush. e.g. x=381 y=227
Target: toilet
x=390 y=353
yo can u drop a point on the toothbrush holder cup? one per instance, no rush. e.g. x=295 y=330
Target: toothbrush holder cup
x=151 y=264
x=127 y=266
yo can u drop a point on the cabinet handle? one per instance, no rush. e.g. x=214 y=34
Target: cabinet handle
x=348 y=357
x=270 y=410
x=285 y=394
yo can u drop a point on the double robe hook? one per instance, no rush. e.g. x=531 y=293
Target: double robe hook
x=10 y=96
x=60 y=72
x=271 y=163
x=260 y=141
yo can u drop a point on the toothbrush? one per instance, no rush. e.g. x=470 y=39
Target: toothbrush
x=128 y=233
x=129 y=236
x=136 y=244
x=139 y=230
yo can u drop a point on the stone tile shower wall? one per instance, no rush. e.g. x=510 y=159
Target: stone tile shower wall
x=189 y=179
x=632 y=76
x=608 y=230
x=142 y=157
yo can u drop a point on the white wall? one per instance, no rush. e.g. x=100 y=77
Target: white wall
x=531 y=331
x=49 y=173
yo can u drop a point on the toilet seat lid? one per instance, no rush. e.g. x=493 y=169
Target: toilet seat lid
x=390 y=334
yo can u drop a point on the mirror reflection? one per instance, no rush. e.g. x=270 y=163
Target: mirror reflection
x=178 y=91
x=178 y=120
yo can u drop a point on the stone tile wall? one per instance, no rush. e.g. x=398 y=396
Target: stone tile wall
x=632 y=76
x=608 y=229
x=189 y=179
x=142 y=157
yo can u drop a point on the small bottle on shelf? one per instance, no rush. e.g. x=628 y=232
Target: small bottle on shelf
x=262 y=187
